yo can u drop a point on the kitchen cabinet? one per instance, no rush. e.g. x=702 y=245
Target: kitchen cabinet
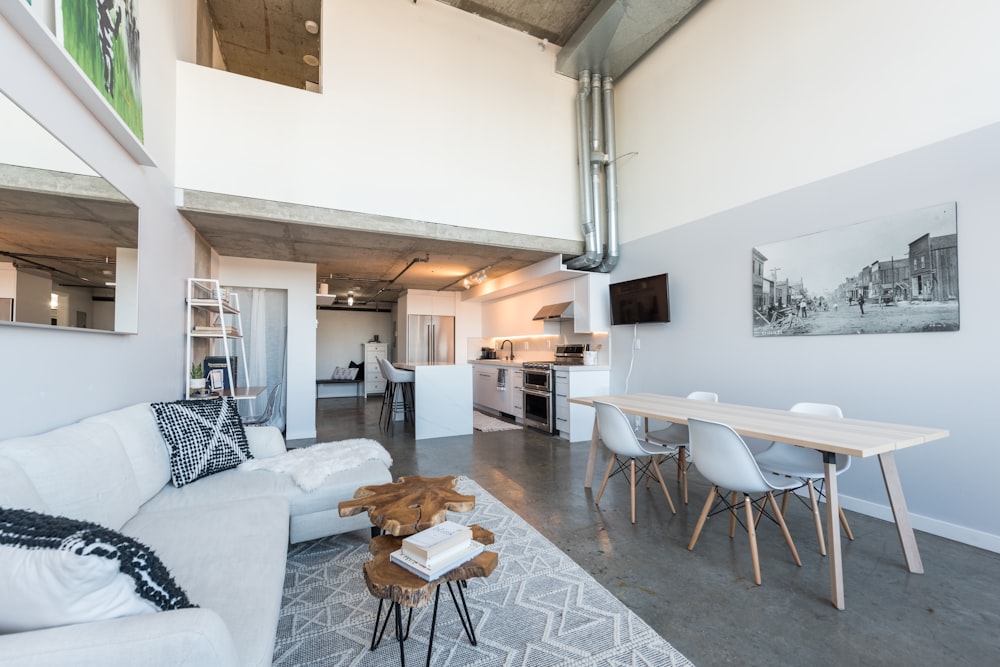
x=484 y=387
x=487 y=394
x=423 y=302
x=576 y=422
x=515 y=380
x=591 y=303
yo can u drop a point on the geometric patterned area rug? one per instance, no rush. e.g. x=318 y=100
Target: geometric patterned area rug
x=538 y=608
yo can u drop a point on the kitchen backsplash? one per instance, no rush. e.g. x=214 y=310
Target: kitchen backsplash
x=540 y=348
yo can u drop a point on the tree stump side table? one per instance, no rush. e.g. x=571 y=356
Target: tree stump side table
x=409 y=505
x=401 y=588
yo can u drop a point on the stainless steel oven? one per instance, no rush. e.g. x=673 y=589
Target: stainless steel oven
x=539 y=398
x=538 y=379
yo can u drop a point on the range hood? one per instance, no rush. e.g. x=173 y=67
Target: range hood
x=557 y=311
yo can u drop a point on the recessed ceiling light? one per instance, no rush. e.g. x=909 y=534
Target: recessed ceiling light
x=310 y=60
x=312 y=27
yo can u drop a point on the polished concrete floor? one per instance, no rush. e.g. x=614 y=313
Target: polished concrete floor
x=704 y=602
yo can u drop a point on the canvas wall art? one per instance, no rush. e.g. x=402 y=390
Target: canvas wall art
x=896 y=274
x=102 y=36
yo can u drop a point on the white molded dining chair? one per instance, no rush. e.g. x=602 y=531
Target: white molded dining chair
x=725 y=460
x=806 y=465
x=675 y=438
x=628 y=453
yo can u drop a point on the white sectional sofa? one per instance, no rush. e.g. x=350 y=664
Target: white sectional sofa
x=223 y=538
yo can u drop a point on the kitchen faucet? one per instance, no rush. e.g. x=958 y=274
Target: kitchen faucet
x=511 y=357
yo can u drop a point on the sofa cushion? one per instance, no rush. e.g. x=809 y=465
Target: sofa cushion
x=230 y=558
x=144 y=445
x=313 y=514
x=16 y=490
x=80 y=471
x=265 y=441
x=56 y=571
x=205 y=437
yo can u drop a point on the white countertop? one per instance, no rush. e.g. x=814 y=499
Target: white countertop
x=516 y=363
x=411 y=365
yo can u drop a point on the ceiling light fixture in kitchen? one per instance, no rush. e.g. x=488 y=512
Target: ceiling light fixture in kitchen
x=475 y=278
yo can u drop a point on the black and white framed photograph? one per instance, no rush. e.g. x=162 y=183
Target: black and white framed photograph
x=896 y=274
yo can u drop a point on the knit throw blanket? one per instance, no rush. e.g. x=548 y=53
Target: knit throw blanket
x=309 y=466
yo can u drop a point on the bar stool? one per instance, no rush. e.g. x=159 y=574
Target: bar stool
x=396 y=380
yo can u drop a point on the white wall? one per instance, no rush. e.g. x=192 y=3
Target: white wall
x=784 y=104
x=427 y=113
x=87 y=372
x=746 y=99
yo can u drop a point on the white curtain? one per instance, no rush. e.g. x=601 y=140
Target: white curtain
x=265 y=325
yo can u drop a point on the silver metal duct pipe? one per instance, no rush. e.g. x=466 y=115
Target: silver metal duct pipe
x=610 y=178
x=597 y=158
x=593 y=253
x=598 y=175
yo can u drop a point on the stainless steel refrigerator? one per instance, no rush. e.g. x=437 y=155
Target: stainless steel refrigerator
x=430 y=338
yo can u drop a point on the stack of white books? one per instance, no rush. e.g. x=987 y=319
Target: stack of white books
x=434 y=552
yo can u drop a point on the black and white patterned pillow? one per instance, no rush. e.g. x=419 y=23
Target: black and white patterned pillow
x=205 y=437
x=57 y=571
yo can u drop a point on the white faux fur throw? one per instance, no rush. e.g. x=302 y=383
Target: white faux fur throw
x=309 y=466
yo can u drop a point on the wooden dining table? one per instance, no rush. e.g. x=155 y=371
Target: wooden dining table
x=830 y=435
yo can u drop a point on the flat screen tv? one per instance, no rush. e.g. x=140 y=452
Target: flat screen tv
x=641 y=300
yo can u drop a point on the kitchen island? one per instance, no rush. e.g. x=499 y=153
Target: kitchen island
x=442 y=398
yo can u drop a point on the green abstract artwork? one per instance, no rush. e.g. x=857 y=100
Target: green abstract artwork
x=102 y=36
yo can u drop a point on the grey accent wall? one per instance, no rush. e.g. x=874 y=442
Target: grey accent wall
x=931 y=379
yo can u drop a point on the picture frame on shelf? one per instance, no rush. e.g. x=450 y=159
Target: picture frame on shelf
x=216 y=379
x=219 y=363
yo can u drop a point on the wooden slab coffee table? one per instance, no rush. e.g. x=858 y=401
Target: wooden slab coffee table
x=402 y=508
x=408 y=505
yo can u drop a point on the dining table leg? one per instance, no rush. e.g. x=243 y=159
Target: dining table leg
x=592 y=457
x=833 y=531
x=907 y=540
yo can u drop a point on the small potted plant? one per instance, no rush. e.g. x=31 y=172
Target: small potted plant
x=197 y=381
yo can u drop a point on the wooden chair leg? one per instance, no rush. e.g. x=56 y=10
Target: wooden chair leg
x=784 y=502
x=752 y=534
x=631 y=485
x=843 y=522
x=817 y=519
x=611 y=464
x=784 y=530
x=704 y=515
x=663 y=485
x=657 y=460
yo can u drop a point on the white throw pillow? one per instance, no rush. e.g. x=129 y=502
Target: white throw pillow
x=59 y=571
x=42 y=588
x=341 y=373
